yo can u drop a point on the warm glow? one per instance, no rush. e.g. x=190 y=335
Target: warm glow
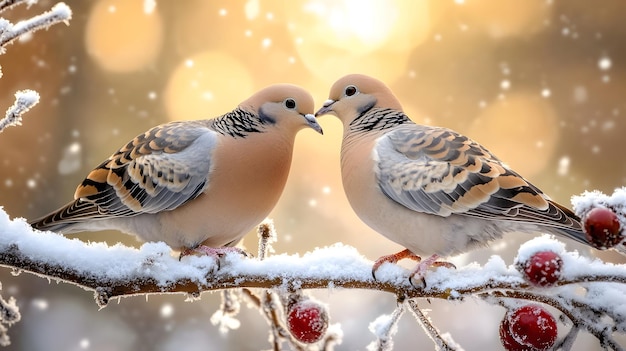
x=206 y=85
x=121 y=37
x=504 y=18
x=202 y=26
x=365 y=25
x=522 y=130
x=540 y=83
x=373 y=37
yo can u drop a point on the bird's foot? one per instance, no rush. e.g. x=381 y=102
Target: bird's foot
x=214 y=252
x=419 y=272
x=394 y=258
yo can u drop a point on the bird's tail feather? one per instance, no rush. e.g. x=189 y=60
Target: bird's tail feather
x=576 y=235
x=579 y=236
x=66 y=219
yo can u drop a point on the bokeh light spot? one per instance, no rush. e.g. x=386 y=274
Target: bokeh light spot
x=206 y=85
x=372 y=37
x=507 y=18
x=121 y=37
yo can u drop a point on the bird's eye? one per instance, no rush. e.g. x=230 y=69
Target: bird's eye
x=351 y=90
x=290 y=103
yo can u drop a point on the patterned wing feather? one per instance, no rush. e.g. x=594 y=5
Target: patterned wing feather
x=438 y=171
x=156 y=171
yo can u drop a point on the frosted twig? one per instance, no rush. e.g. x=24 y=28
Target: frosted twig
x=441 y=342
x=24 y=101
x=385 y=327
x=269 y=307
x=333 y=337
x=4 y=336
x=9 y=314
x=59 y=13
x=267 y=236
x=9 y=4
x=567 y=342
x=268 y=301
x=278 y=332
x=224 y=318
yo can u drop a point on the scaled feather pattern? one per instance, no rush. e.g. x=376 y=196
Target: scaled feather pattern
x=430 y=189
x=194 y=183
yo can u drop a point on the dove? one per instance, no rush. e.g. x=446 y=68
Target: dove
x=431 y=190
x=196 y=185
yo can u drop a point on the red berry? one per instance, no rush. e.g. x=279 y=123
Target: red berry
x=602 y=228
x=509 y=343
x=307 y=320
x=543 y=268
x=529 y=327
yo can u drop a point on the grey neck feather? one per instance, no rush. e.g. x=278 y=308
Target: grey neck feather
x=378 y=119
x=239 y=123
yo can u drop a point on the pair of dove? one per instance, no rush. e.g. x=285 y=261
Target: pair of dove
x=202 y=185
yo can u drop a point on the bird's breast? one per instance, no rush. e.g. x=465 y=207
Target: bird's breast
x=358 y=175
x=424 y=234
x=243 y=187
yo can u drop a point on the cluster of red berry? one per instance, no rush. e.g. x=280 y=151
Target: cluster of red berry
x=529 y=327
x=532 y=327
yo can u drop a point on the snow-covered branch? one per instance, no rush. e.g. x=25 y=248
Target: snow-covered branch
x=60 y=13
x=385 y=327
x=24 y=101
x=9 y=4
x=9 y=314
x=442 y=341
x=116 y=271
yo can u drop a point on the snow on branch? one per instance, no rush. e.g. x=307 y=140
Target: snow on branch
x=9 y=314
x=116 y=271
x=385 y=327
x=60 y=13
x=24 y=101
x=9 y=4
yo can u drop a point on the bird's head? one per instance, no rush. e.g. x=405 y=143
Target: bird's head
x=355 y=94
x=284 y=106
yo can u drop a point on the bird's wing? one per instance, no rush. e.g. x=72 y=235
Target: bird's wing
x=157 y=171
x=438 y=171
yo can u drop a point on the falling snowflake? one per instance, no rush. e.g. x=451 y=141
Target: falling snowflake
x=604 y=63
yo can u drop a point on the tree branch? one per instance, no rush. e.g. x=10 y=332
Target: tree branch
x=239 y=272
x=385 y=327
x=153 y=269
x=116 y=271
x=24 y=101
x=9 y=4
x=443 y=342
x=60 y=13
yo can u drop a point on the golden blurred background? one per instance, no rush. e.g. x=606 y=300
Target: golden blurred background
x=541 y=83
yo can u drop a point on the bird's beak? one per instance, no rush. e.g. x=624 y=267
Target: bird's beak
x=326 y=108
x=312 y=122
